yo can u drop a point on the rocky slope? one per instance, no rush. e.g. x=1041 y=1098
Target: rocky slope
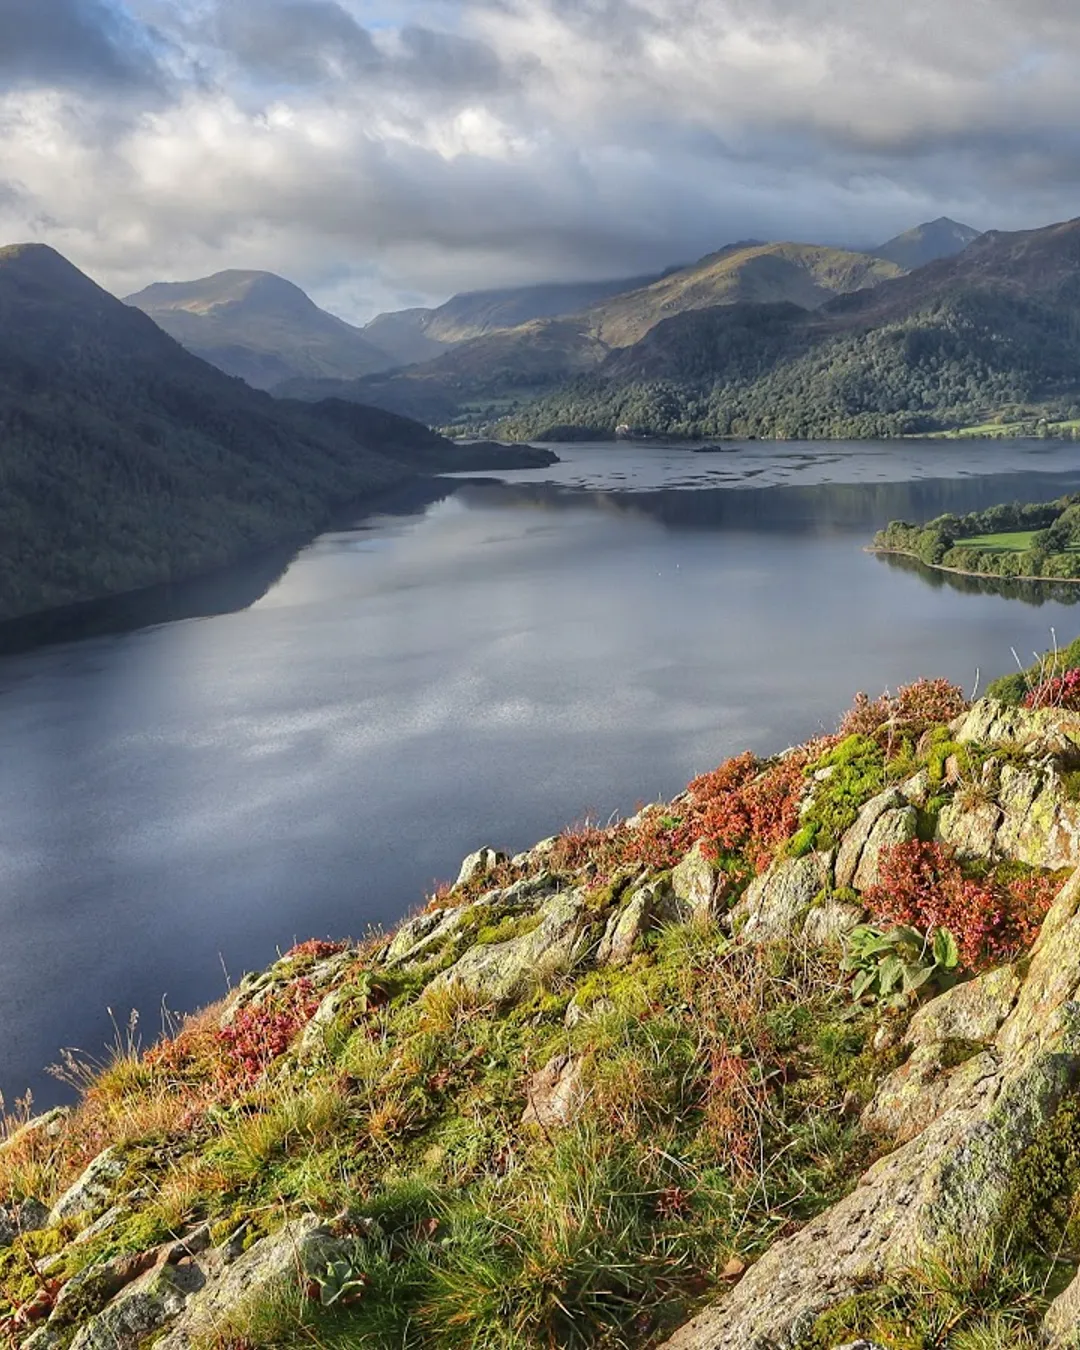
x=789 y=1063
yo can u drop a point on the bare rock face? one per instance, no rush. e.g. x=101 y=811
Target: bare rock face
x=949 y=1181
x=898 y=826
x=1039 y=732
x=627 y=926
x=480 y=863
x=972 y=1011
x=93 y=1190
x=776 y=903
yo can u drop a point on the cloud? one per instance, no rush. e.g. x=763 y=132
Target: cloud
x=373 y=150
x=73 y=42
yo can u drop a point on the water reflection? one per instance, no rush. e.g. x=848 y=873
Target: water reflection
x=1036 y=593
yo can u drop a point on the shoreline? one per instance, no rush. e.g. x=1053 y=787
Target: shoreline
x=962 y=572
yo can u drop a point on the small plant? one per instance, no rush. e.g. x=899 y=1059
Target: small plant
x=340 y=1283
x=893 y=966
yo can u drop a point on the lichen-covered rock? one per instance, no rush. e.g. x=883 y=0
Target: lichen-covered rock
x=948 y=1183
x=556 y=1093
x=694 y=882
x=420 y=938
x=93 y=1190
x=893 y=827
x=501 y=972
x=1040 y=825
x=971 y=829
x=831 y=922
x=479 y=864
x=626 y=927
x=776 y=903
x=141 y=1309
x=923 y=1088
x=25 y=1217
x=300 y=1248
x=972 y=1011
x=1040 y=732
x=857 y=837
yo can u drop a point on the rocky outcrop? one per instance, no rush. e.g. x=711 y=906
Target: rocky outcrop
x=946 y=1183
x=776 y=903
x=93 y=1190
x=1040 y=733
x=556 y=1093
x=25 y=1217
x=858 y=838
x=695 y=884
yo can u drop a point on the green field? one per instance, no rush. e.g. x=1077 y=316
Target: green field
x=1017 y=541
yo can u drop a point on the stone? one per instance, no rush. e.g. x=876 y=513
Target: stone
x=93 y=1190
x=1039 y=732
x=916 y=791
x=946 y=1184
x=25 y=1217
x=970 y=830
x=831 y=922
x=1040 y=826
x=502 y=972
x=1062 y=1320
x=894 y=827
x=972 y=1011
x=776 y=903
x=421 y=938
x=694 y=882
x=556 y=1093
x=922 y=1089
x=479 y=864
x=857 y=837
x=142 y=1308
x=626 y=927
x=301 y=1248
x=95 y=1285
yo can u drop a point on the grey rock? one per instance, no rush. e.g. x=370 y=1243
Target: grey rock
x=479 y=864
x=1062 y=1321
x=49 y=1124
x=626 y=927
x=25 y=1217
x=501 y=972
x=694 y=883
x=972 y=1011
x=1038 y=732
x=93 y=1190
x=301 y=1248
x=142 y=1308
x=891 y=828
x=776 y=903
x=970 y=829
x=916 y=791
x=857 y=837
x=922 y=1089
x=831 y=922
x=423 y=937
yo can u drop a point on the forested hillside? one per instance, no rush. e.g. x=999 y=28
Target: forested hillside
x=964 y=339
x=126 y=461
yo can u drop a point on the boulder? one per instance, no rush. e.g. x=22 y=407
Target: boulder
x=972 y=1011
x=893 y=827
x=626 y=927
x=831 y=922
x=1039 y=732
x=141 y=1309
x=946 y=1184
x=421 y=938
x=301 y=1248
x=93 y=1190
x=479 y=864
x=502 y=972
x=970 y=829
x=556 y=1093
x=48 y=1125
x=922 y=1089
x=26 y=1216
x=776 y=903
x=694 y=882
x=858 y=836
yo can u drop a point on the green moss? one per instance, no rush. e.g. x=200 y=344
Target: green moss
x=857 y=768
x=1040 y=1205
x=507 y=928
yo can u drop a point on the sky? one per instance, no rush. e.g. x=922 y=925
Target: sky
x=384 y=153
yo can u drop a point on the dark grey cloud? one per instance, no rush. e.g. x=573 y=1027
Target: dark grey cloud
x=301 y=41
x=73 y=42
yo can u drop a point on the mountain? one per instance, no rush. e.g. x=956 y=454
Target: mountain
x=259 y=326
x=415 y=335
x=127 y=461
x=927 y=243
x=477 y=377
x=960 y=341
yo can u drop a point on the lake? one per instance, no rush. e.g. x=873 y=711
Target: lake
x=305 y=745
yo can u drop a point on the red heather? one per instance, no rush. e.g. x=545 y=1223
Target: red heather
x=1063 y=691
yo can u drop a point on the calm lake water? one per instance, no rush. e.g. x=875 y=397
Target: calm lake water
x=480 y=662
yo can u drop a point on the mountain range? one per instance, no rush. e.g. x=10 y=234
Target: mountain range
x=267 y=331
x=128 y=461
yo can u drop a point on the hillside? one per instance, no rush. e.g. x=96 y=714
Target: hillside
x=260 y=327
x=962 y=340
x=413 y=335
x=479 y=378
x=126 y=461
x=793 y=1056
x=942 y=238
